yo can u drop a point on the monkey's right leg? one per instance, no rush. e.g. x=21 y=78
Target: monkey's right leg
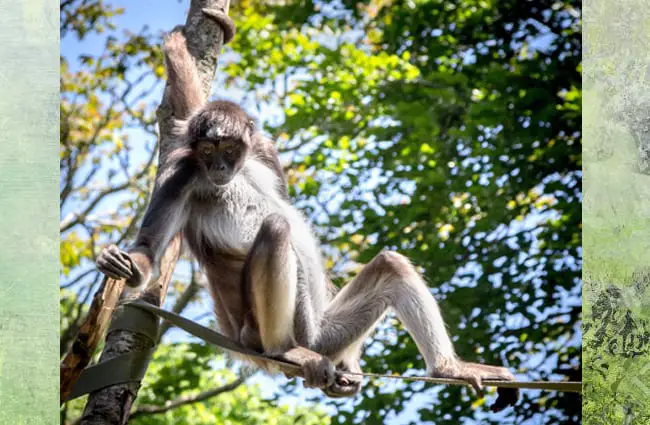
x=271 y=280
x=391 y=281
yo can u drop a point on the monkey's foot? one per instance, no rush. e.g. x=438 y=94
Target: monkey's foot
x=475 y=373
x=221 y=17
x=344 y=385
x=317 y=371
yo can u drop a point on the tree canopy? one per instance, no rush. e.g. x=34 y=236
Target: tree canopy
x=449 y=131
x=616 y=211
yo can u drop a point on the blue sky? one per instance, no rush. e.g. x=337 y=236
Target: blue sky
x=167 y=15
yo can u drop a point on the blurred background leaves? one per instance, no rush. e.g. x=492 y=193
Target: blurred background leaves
x=449 y=131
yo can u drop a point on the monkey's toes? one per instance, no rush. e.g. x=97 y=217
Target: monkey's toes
x=318 y=373
x=344 y=386
x=475 y=382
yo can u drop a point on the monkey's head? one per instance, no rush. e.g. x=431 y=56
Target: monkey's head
x=221 y=135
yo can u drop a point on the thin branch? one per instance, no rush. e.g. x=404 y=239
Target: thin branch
x=81 y=217
x=186 y=400
x=78 y=278
x=70 y=169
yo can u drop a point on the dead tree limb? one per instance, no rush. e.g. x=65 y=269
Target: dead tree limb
x=112 y=405
x=89 y=335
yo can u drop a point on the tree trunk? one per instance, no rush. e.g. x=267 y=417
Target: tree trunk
x=112 y=405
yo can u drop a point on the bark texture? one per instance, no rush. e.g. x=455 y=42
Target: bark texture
x=89 y=335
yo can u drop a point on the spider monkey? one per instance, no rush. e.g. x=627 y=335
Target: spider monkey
x=227 y=195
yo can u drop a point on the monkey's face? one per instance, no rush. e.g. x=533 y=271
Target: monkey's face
x=220 y=135
x=221 y=159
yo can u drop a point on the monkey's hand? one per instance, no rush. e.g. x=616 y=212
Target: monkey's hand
x=475 y=373
x=117 y=264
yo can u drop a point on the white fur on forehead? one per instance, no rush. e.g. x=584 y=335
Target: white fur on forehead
x=225 y=126
x=222 y=119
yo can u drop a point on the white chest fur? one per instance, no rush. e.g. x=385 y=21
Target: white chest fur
x=229 y=220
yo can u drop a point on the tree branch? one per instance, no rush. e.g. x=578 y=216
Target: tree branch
x=76 y=219
x=186 y=400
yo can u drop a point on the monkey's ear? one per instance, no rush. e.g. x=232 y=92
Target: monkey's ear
x=252 y=128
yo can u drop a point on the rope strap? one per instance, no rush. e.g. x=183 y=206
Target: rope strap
x=132 y=366
x=216 y=338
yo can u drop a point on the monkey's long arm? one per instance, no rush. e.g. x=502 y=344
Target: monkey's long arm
x=165 y=216
x=183 y=83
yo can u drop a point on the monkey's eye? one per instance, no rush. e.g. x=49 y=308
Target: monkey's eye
x=206 y=149
x=227 y=147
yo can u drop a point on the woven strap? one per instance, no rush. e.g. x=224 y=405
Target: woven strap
x=129 y=367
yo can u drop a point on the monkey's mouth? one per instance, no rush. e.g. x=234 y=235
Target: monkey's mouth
x=220 y=180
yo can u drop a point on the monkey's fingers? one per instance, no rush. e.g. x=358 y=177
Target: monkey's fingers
x=476 y=383
x=136 y=273
x=113 y=270
x=174 y=40
x=111 y=263
x=127 y=260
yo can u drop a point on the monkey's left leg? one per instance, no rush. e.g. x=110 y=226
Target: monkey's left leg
x=272 y=293
x=390 y=281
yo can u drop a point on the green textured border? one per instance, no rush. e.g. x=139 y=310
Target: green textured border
x=616 y=207
x=29 y=138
